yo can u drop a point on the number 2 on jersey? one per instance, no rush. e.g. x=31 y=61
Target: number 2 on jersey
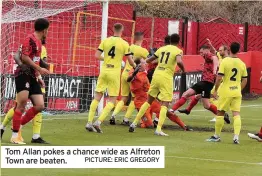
x=167 y=57
x=233 y=77
x=112 y=52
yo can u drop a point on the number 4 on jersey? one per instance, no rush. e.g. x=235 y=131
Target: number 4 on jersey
x=112 y=52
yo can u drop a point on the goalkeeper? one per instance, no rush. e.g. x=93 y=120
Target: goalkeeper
x=37 y=120
x=139 y=87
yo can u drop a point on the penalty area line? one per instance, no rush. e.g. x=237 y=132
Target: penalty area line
x=214 y=160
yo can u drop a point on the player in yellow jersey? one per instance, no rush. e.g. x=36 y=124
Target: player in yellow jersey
x=37 y=121
x=114 y=49
x=234 y=74
x=162 y=83
x=138 y=52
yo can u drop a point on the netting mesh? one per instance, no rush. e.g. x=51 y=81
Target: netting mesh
x=70 y=50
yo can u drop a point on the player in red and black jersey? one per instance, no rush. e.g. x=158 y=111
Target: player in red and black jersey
x=205 y=86
x=27 y=84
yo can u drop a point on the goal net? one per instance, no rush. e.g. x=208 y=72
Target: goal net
x=73 y=37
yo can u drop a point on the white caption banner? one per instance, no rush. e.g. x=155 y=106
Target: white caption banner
x=82 y=157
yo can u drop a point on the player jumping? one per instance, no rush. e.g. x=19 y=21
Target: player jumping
x=139 y=87
x=234 y=74
x=203 y=87
x=138 y=52
x=27 y=84
x=221 y=54
x=37 y=120
x=114 y=49
x=162 y=83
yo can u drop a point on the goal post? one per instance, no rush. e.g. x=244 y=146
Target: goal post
x=76 y=29
x=85 y=30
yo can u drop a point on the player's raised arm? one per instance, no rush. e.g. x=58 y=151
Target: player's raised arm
x=211 y=46
x=180 y=62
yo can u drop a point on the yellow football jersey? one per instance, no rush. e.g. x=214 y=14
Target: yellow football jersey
x=166 y=56
x=220 y=58
x=114 y=48
x=43 y=52
x=137 y=52
x=232 y=70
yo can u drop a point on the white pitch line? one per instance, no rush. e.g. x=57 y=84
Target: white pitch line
x=214 y=160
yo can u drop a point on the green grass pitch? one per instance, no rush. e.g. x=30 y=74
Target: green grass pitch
x=187 y=153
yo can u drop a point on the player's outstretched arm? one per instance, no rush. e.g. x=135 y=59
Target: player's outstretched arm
x=131 y=77
x=180 y=63
x=151 y=59
x=212 y=47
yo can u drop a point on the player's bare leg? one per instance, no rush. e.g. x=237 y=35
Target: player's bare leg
x=118 y=108
x=38 y=101
x=92 y=110
x=19 y=110
x=183 y=99
x=109 y=106
x=162 y=117
x=141 y=113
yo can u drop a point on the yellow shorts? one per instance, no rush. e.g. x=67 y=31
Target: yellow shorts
x=125 y=86
x=229 y=103
x=161 y=88
x=109 y=81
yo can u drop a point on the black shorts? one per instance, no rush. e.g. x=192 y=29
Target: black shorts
x=204 y=88
x=29 y=83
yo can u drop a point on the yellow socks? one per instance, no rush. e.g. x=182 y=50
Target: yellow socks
x=119 y=107
x=237 y=125
x=8 y=117
x=130 y=110
x=219 y=125
x=141 y=112
x=106 y=111
x=162 y=118
x=92 y=110
x=37 y=123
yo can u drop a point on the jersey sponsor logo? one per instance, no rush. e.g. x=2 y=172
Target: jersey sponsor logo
x=233 y=88
x=36 y=59
x=27 y=85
